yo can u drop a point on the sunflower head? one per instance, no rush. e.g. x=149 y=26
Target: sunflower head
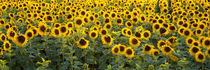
x=200 y=57
x=193 y=50
x=21 y=40
x=166 y=50
x=29 y=34
x=83 y=43
x=146 y=34
x=107 y=39
x=155 y=52
x=7 y=45
x=147 y=49
x=93 y=34
x=3 y=37
x=133 y=41
x=129 y=52
x=116 y=49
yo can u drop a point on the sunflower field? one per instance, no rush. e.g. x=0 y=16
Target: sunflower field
x=104 y=34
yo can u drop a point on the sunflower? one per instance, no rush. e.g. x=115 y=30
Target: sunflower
x=171 y=41
x=156 y=26
x=11 y=34
x=128 y=32
x=161 y=43
x=56 y=32
x=128 y=24
x=187 y=32
x=155 y=52
x=7 y=45
x=107 y=39
x=163 y=31
x=133 y=41
x=93 y=34
x=21 y=40
x=173 y=57
x=180 y=22
x=194 y=25
x=206 y=43
x=135 y=20
x=107 y=20
x=57 y=25
x=122 y=48
x=3 y=37
x=138 y=35
x=1 y=51
x=202 y=26
x=172 y=28
x=7 y=26
x=91 y=18
x=98 y=23
x=63 y=29
x=103 y=32
x=29 y=34
x=196 y=43
x=147 y=49
x=42 y=29
x=113 y=15
x=189 y=40
x=35 y=30
x=115 y=50
x=193 y=50
x=124 y=31
x=119 y=21
x=200 y=57
x=181 y=30
x=146 y=34
x=49 y=18
x=129 y=52
x=208 y=52
x=78 y=22
x=108 y=26
x=83 y=43
x=166 y=50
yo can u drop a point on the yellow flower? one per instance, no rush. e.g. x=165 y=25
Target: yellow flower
x=200 y=57
x=129 y=53
x=166 y=50
x=93 y=34
x=147 y=49
x=83 y=43
x=21 y=40
x=116 y=49
x=7 y=45
x=133 y=41
x=29 y=34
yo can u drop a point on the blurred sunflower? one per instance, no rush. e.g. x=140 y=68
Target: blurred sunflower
x=200 y=57
x=133 y=41
x=167 y=50
x=21 y=40
x=7 y=45
x=83 y=43
x=129 y=53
